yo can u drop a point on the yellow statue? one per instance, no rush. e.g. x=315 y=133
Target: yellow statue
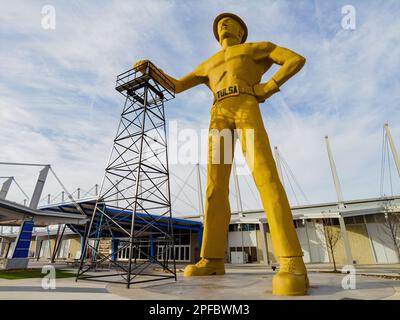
x=233 y=75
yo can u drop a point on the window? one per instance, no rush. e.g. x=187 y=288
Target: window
x=380 y=217
x=359 y=219
x=243 y=226
x=299 y=224
x=370 y=218
x=187 y=253
x=142 y=253
x=348 y=220
x=183 y=238
x=251 y=252
x=331 y=221
x=335 y=221
x=182 y=253
x=253 y=227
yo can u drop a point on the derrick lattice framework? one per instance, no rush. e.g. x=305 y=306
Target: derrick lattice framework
x=133 y=211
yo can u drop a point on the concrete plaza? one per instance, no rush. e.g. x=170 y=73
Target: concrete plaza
x=241 y=282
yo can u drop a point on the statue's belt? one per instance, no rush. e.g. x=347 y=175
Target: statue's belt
x=233 y=90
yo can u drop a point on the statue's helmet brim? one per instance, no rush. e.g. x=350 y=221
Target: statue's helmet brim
x=233 y=16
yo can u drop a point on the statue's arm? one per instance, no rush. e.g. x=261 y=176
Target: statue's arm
x=290 y=62
x=192 y=79
x=189 y=81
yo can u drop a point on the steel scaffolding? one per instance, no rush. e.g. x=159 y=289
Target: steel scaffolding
x=133 y=209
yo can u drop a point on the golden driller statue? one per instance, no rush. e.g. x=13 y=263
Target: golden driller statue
x=233 y=75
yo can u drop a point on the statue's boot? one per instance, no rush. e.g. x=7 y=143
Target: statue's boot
x=205 y=267
x=292 y=279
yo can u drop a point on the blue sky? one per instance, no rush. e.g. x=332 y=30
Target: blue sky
x=58 y=103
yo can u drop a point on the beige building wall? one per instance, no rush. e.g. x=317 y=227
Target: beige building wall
x=32 y=248
x=52 y=246
x=338 y=248
x=75 y=248
x=44 y=250
x=360 y=245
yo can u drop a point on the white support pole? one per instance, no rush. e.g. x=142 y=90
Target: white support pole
x=393 y=148
x=278 y=163
x=349 y=256
x=2 y=242
x=241 y=234
x=39 y=187
x=5 y=187
x=200 y=194
x=237 y=190
x=308 y=238
x=339 y=194
x=335 y=177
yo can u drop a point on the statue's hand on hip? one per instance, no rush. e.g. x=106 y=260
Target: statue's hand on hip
x=263 y=91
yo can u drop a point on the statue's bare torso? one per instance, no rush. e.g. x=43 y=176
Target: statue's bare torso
x=243 y=64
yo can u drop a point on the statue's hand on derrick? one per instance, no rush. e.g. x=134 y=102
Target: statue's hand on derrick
x=144 y=62
x=140 y=62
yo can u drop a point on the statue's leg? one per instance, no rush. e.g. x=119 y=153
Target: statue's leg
x=292 y=278
x=217 y=210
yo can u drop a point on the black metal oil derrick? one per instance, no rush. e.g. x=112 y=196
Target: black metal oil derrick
x=133 y=210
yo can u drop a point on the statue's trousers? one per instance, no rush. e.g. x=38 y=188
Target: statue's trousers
x=240 y=116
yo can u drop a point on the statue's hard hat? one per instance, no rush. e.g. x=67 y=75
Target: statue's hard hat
x=234 y=17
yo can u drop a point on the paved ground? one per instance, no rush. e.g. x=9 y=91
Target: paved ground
x=240 y=282
x=66 y=289
x=254 y=283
